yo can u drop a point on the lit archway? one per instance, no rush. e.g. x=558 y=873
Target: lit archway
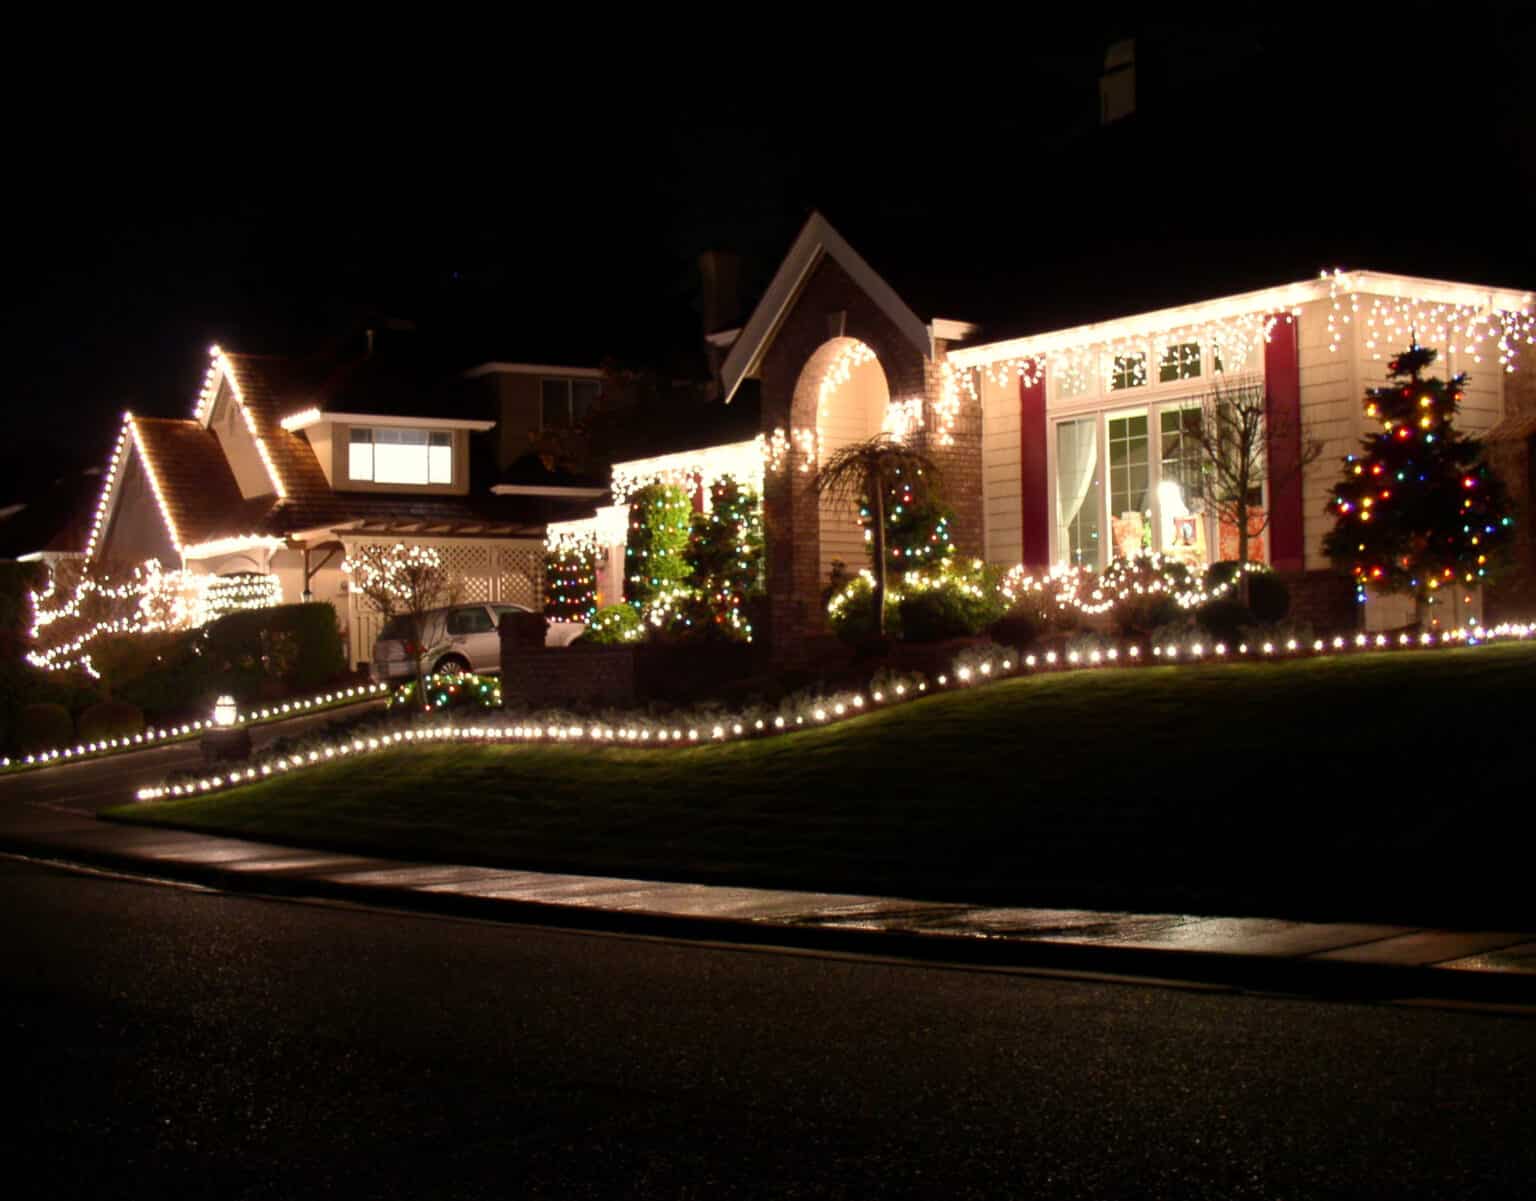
x=844 y=389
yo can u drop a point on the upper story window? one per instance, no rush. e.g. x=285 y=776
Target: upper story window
x=384 y=455
x=1128 y=371
x=1180 y=361
x=564 y=402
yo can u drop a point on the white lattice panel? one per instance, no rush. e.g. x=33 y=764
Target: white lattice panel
x=520 y=577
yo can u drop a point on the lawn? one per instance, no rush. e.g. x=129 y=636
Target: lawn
x=1389 y=786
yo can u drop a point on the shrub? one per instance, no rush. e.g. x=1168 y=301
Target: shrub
x=934 y=615
x=613 y=625
x=300 y=645
x=851 y=612
x=44 y=725
x=955 y=600
x=1149 y=584
x=184 y=682
x=1268 y=595
x=1224 y=619
x=659 y=524
x=110 y=719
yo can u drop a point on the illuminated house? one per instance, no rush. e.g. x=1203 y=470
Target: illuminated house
x=286 y=466
x=1074 y=444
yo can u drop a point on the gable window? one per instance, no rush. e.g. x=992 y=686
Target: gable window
x=382 y=455
x=564 y=402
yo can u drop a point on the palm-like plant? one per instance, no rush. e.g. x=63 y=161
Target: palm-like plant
x=863 y=471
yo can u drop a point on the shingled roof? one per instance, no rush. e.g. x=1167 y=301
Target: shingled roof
x=196 y=486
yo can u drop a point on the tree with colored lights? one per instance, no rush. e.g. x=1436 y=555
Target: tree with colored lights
x=865 y=474
x=570 y=580
x=1419 y=510
x=725 y=554
x=917 y=523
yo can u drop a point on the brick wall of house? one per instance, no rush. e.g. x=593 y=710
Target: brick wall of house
x=1325 y=599
x=832 y=305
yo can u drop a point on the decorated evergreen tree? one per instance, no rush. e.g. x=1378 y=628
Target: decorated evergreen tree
x=1419 y=510
x=726 y=556
x=655 y=567
x=570 y=580
x=917 y=524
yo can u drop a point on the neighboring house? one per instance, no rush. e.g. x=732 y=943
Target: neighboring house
x=287 y=465
x=1071 y=445
x=535 y=404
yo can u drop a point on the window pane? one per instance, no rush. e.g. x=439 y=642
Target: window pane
x=1179 y=362
x=1079 y=491
x=400 y=462
x=1130 y=514
x=440 y=460
x=1129 y=371
x=583 y=396
x=556 y=408
x=360 y=455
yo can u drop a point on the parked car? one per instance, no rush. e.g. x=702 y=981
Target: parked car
x=457 y=638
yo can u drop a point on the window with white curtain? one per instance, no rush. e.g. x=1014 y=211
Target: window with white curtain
x=1079 y=491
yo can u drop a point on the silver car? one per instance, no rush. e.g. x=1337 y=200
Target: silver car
x=458 y=638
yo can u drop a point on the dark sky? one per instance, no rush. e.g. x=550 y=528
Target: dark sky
x=520 y=196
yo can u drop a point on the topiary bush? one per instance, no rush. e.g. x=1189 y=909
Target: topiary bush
x=42 y=726
x=110 y=719
x=851 y=612
x=1224 y=619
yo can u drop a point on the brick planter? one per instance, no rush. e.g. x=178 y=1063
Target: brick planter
x=539 y=676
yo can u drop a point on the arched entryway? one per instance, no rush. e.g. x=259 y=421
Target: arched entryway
x=844 y=386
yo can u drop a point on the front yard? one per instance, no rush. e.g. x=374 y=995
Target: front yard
x=1388 y=786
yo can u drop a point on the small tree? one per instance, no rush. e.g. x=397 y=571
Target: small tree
x=725 y=555
x=404 y=581
x=655 y=569
x=1419 y=510
x=862 y=473
x=1242 y=446
x=570 y=580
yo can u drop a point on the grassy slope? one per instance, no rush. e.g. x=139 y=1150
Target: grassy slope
x=1385 y=785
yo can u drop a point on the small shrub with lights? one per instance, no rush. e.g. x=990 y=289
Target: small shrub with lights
x=614 y=625
x=448 y=691
x=656 y=565
x=725 y=555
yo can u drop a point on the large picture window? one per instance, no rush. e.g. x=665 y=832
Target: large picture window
x=384 y=455
x=1079 y=491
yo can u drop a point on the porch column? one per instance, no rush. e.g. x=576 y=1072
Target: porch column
x=1034 y=475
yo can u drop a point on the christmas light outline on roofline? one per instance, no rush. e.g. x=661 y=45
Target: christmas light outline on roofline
x=1458 y=316
x=822 y=711
x=222 y=368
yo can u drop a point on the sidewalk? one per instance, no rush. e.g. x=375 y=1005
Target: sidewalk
x=1264 y=954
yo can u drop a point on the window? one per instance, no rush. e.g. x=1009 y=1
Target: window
x=1129 y=479
x=385 y=455
x=1130 y=371
x=1180 y=464
x=565 y=402
x=469 y=621
x=1079 y=491
x=1179 y=362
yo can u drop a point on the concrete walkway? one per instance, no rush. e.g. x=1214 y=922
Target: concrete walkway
x=50 y=815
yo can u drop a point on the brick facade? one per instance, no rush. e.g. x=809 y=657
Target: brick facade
x=830 y=305
x=537 y=676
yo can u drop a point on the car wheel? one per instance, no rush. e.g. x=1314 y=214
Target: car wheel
x=450 y=663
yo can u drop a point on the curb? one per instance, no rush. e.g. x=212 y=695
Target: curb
x=1337 y=980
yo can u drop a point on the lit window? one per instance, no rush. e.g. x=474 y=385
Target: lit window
x=384 y=455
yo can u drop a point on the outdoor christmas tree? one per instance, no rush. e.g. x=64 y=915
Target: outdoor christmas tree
x=655 y=569
x=1419 y=510
x=570 y=580
x=917 y=524
x=726 y=555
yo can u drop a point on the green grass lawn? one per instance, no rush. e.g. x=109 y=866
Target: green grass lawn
x=1386 y=786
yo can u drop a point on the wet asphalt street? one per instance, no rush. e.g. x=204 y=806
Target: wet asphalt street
x=175 y=1043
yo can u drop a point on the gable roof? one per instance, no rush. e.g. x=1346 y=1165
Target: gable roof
x=816 y=240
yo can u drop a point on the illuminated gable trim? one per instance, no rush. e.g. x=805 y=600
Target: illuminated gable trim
x=221 y=368
x=154 y=482
x=108 y=489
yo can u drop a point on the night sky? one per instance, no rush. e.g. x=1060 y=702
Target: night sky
x=550 y=207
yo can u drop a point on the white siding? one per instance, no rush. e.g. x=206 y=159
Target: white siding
x=1000 y=470
x=1331 y=411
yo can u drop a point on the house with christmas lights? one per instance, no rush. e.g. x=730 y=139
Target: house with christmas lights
x=1077 y=445
x=287 y=466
